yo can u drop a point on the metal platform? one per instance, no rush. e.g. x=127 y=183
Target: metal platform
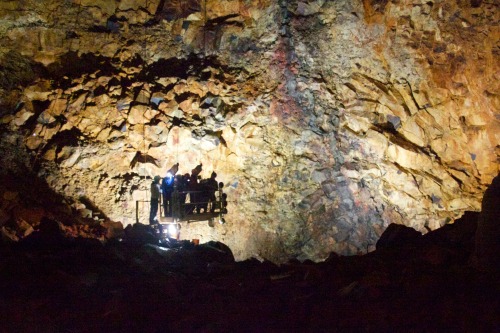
x=182 y=212
x=190 y=218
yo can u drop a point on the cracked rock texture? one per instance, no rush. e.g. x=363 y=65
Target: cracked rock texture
x=326 y=120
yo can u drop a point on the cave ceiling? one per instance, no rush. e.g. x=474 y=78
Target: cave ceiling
x=326 y=120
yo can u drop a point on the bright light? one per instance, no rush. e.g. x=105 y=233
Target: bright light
x=173 y=230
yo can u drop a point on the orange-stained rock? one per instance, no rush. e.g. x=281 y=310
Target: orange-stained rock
x=113 y=229
x=33 y=216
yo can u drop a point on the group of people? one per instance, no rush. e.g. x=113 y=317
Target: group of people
x=176 y=188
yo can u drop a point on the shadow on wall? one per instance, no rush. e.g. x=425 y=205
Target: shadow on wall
x=89 y=204
x=25 y=200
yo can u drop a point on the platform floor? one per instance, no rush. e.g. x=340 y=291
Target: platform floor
x=191 y=218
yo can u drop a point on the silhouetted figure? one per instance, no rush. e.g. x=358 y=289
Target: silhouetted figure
x=194 y=188
x=202 y=196
x=155 y=197
x=183 y=186
x=210 y=187
x=167 y=188
x=179 y=197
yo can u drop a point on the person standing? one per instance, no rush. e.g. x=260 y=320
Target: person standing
x=194 y=188
x=155 y=198
x=167 y=188
x=211 y=187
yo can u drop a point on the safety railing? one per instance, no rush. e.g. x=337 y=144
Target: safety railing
x=184 y=206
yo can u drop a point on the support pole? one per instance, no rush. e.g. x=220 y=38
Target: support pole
x=176 y=209
x=137 y=211
x=219 y=202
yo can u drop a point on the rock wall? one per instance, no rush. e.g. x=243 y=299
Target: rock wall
x=326 y=120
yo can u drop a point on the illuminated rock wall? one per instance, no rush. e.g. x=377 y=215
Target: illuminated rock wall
x=326 y=120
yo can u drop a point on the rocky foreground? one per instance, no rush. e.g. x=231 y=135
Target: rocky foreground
x=411 y=283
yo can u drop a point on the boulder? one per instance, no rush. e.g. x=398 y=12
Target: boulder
x=7 y=235
x=32 y=215
x=216 y=251
x=23 y=228
x=113 y=229
x=48 y=237
x=460 y=233
x=397 y=235
x=487 y=250
x=140 y=234
x=4 y=217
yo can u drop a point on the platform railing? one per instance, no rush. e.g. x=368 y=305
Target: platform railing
x=182 y=211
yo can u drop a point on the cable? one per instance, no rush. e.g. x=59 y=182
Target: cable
x=205 y=30
x=144 y=58
x=175 y=141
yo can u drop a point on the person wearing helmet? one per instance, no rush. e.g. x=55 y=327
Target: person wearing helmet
x=194 y=188
x=167 y=188
x=211 y=186
x=155 y=197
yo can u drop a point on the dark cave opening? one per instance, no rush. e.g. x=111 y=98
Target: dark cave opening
x=179 y=67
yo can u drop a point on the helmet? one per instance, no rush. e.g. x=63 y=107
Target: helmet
x=157 y=178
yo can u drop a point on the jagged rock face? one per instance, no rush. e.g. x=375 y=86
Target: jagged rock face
x=326 y=120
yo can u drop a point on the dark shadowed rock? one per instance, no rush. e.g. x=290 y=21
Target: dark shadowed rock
x=217 y=251
x=451 y=243
x=49 y=228
x=139 y=234
x=183 y=287
x=49 y=236
x=397 y=235
x=113 y=229
x=487 y=241
x=462 y=231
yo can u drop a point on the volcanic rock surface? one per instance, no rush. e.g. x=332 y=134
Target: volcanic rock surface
x=326 y=120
